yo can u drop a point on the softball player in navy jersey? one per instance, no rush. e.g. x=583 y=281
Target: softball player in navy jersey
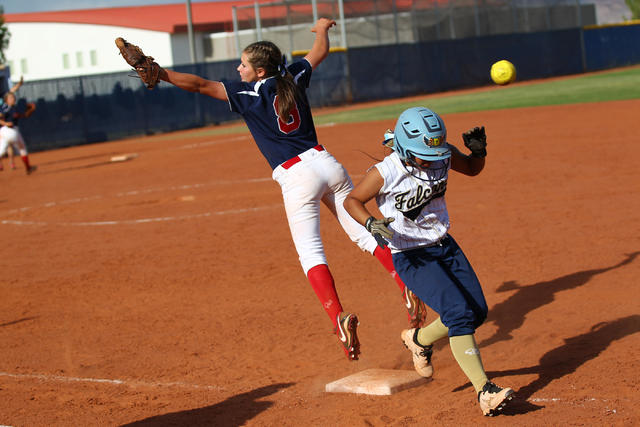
x=409 y=187
x=271 y=98
x=10 y=133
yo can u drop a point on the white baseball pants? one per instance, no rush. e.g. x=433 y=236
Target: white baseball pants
x=317 y=177
x=14 y=137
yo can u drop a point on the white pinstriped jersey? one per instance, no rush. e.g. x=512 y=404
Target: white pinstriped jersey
x=418 y=206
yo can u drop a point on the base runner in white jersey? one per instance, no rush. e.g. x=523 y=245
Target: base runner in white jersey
x=409 y=188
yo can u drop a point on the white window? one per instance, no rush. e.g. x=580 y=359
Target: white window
x=65 y=61
x=23 y=65
x=79 y=59
x=94 y=58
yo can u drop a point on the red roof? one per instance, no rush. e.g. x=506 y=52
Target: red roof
x=171 y=18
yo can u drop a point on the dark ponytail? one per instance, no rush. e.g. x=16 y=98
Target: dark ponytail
x=266 y=55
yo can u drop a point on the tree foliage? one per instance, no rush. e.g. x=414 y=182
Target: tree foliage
x=634 y=7
x=4 y=36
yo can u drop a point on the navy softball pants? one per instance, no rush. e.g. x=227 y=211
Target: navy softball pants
x=442 y=278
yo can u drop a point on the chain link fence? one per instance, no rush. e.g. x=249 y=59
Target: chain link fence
x=364 y=23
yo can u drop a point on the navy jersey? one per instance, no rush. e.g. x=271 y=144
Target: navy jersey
x=9 y=113
x=278 y=140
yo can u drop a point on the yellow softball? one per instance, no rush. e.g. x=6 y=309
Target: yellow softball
x=503 y=72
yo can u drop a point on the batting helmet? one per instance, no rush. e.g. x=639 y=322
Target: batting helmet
x=421 y=133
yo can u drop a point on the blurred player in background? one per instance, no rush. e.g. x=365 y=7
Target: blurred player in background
x=10 y=150
x=271 y=97
x=10 y=135
x=409 y=188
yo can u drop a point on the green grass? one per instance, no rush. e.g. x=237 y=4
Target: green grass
x=602 y=87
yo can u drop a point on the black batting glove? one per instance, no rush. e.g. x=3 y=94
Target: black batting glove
x=378 y=228
x=476 y=140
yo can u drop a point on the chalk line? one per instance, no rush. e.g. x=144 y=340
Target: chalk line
x=141 y=221
x=59 y=378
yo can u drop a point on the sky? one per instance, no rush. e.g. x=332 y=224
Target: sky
x=24 y=6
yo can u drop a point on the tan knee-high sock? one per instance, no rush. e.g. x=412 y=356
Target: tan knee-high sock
x=433 y=332
x=466 y=352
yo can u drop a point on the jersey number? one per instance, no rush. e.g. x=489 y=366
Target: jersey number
x=293 y=121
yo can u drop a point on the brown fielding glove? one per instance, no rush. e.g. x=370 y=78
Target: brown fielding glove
x=146 y=68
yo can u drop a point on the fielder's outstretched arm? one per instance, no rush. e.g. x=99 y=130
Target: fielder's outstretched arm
x=193 y=83
x=320 y=49
x=16 y=86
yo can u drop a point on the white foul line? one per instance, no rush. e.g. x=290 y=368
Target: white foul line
x=115 y=382
x=141 y=221
x=134 y=193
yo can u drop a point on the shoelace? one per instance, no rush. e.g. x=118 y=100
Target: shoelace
x=426 y=352
x=489 y=387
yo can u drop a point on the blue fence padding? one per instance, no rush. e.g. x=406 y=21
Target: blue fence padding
x=612 y=47
x=535 y=55
x=107 y=107
x=330 y=82
x=397 y=71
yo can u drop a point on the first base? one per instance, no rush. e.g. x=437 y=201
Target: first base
x=381 y=382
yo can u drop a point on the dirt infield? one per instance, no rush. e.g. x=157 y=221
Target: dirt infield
x=165 y=290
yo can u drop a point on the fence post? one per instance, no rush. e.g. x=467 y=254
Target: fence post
x=192 y=46
x=289 y=29
x=256 y=8
x=477 y=17
x=236 y=34
x=451 y=20
x=437 y=13
x=547 y=16
x=579 y=13
x=343 y=25
x=395 y=21
x=314 y=6
x=375 y=7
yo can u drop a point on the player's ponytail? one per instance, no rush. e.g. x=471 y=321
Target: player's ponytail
x=267 y=55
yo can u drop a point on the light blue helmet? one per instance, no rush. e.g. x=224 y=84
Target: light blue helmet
x=421 y=133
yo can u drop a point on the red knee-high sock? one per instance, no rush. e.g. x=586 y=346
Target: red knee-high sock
x=384 y=256
x=25 y=160
x=322 y=283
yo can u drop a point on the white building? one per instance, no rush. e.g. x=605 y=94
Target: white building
x=63 y=44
